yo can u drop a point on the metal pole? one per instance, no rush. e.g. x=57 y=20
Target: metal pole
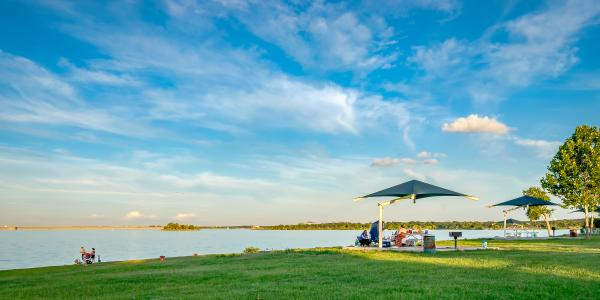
x=380 y=227
x=505 y=213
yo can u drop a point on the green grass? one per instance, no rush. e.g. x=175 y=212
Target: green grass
x=543 y=269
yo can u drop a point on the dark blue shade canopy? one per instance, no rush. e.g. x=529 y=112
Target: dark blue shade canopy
x=525 y=201
x=414 y=187
x=511 y=221
x=582 y=210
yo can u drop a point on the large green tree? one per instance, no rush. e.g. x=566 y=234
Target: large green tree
x=536 y=212
x=574 y=172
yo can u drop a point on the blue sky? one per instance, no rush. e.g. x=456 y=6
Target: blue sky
x=263 y=112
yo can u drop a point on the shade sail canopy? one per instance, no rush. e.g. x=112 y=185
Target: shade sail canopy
x=582 y=210
x=525 y=201
x=412 y=189
x=511 y=221
x=417 y=188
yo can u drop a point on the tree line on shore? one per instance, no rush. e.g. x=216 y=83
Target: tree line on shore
x=179 y=227
x=422 y=225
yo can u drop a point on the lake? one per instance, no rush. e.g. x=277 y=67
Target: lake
x=32 y=248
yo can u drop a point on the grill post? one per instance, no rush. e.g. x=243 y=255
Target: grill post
x=455 y=235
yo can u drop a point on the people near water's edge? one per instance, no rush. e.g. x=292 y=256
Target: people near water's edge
x=374 y=231
x=400 y=239
x=403 y=234
x=364 y=239
x=87 y=257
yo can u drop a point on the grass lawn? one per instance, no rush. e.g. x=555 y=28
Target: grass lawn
x=548 y=269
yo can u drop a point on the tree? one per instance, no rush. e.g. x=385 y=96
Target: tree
x=535 y=212
x=574 y=172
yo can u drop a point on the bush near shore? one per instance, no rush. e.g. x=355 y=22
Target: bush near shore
x=179 y=227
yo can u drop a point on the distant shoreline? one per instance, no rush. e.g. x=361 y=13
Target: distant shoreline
x=17 y=228
x=432 y=225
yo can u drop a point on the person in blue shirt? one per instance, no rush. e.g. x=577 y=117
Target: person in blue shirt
x=364 y=239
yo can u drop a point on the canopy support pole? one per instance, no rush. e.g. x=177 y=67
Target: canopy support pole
x=505 y=212
x=380 y=226
x=381 y=205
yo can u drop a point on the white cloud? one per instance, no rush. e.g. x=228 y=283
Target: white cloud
x=543 y=148
x=430 y=161
x=389 y=161
x=414 y=174
x=210 y=180
x=475 y=123
x=137 y=215
x=132 y=215
x=96 y=216
x=425 y=154
x=184 y=216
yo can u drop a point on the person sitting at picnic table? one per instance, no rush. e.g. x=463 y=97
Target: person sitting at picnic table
x=82 y=252
x=364 y=239
x=400 y=237
x=93 y=254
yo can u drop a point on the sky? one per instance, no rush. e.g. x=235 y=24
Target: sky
x=233 y=112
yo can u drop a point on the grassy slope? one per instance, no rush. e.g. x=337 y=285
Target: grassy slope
x=533 y=269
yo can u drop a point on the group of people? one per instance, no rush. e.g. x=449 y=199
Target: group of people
x=399 y=238
x=87 y=257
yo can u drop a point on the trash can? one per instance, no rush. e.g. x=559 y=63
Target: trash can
x=429 y=243
x=573 y=232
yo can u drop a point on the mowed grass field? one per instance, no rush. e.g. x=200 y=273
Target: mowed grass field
x=543 y=269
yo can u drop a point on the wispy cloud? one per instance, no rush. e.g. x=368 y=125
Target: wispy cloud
x=319 y=35
x=423 y=158
x=84 y=75
x=543 y=149
x=223 y=88
x=32 y=94
x=538 y=46
x=425 y=154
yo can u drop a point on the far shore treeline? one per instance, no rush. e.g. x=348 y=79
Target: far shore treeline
x=179 y=227
x=559 y=224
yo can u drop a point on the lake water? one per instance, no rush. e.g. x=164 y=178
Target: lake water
x=27 y=249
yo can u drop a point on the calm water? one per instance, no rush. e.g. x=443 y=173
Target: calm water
x=26 y=249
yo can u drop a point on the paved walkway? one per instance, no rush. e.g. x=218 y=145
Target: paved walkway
x=416 y=249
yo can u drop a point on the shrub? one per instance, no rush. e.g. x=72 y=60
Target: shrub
x=178 y=227
x=251 y=250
